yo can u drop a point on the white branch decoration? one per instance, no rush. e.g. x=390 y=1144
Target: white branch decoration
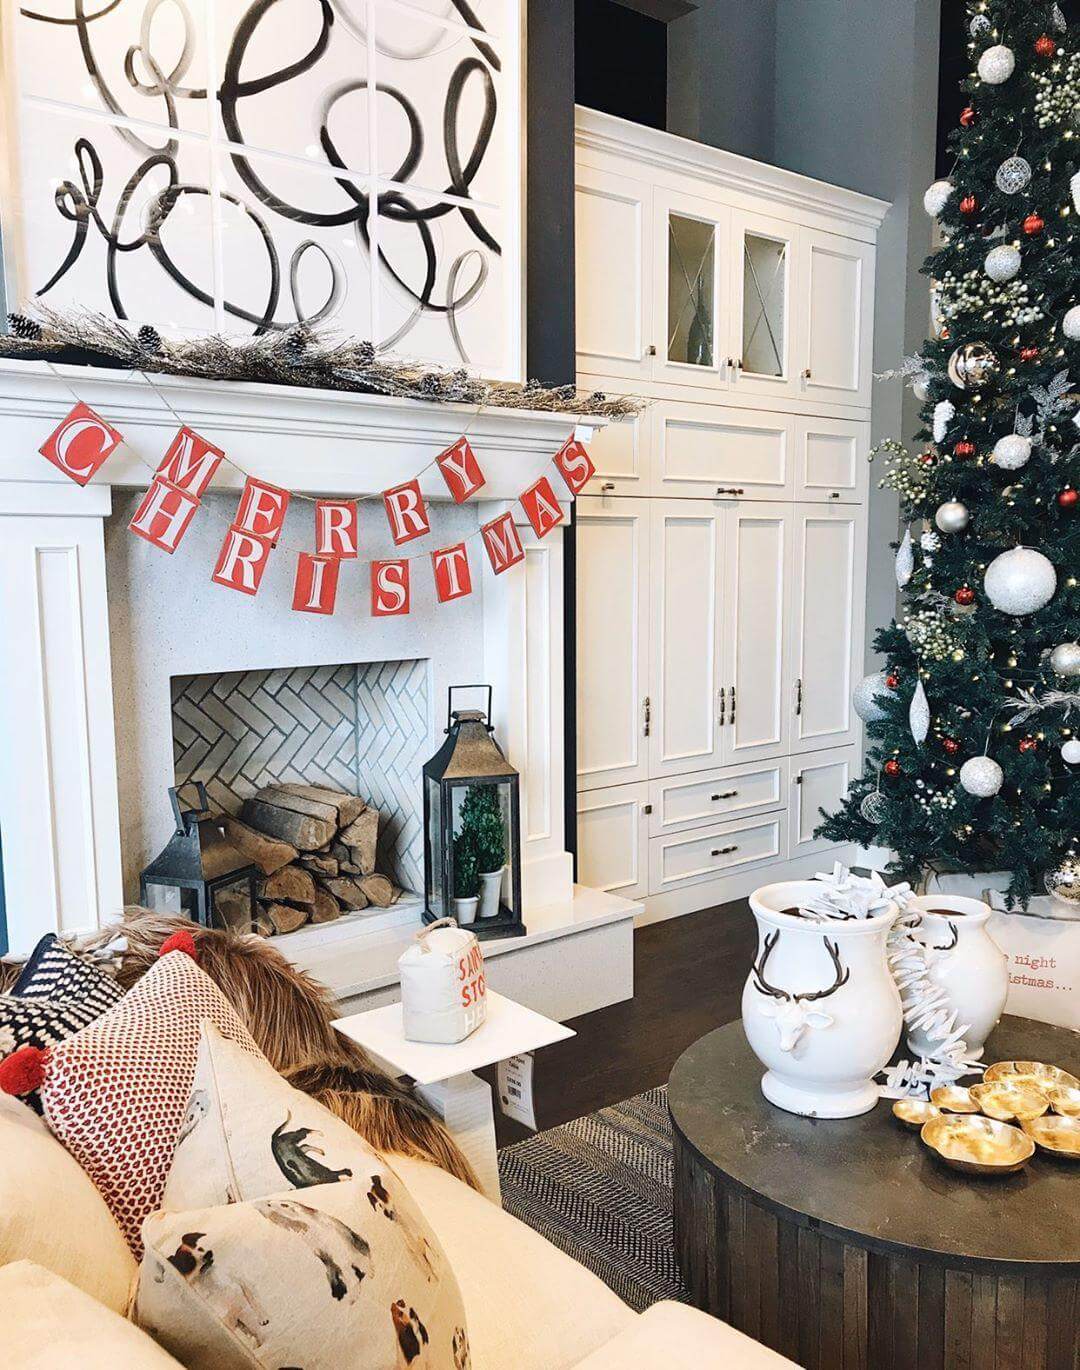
x=1032 y=704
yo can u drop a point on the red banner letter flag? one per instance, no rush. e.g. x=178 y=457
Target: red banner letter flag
x=453 y=578
x=460 y=470
x=242 y=561
x=503 y=545
x=389 y=588
x=574 y=465
x=542 y=507
x=316 y=583
x=335 y=528
x=190 y=462
x=262 y=509
x=406 y=512
x=164 y=514
x=82 y=443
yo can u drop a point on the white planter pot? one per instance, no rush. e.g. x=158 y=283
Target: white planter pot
x=820 y=1008
x=966 y=962
x=465 y=910
x=490 y=890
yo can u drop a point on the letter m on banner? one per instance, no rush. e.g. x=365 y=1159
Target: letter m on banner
x=502 y=543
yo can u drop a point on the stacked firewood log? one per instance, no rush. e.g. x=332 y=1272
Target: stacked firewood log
x=316 y=850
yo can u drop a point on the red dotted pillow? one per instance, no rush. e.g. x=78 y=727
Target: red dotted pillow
x=116 y=1092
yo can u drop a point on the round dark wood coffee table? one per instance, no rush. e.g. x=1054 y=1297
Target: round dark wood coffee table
x=847 y=1243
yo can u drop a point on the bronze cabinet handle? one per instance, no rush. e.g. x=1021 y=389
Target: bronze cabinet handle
x=723 y=851
x=724 y=794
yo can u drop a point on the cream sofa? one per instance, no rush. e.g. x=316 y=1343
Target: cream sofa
x=528 y=1306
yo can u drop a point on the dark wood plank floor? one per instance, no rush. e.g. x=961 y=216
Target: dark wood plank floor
x=688 y=978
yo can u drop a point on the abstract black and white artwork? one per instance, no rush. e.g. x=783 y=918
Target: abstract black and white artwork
x=242 y=165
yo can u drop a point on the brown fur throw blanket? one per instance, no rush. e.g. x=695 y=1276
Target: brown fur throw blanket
x=290 y=1016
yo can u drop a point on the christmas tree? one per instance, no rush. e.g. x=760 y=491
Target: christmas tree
x=974 y=725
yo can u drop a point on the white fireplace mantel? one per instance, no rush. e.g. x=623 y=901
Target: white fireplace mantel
x=60 y=717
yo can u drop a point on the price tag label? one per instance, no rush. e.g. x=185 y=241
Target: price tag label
x=516 y=1089
x=583 y=433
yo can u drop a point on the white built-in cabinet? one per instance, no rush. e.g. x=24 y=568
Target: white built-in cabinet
x=721 y=546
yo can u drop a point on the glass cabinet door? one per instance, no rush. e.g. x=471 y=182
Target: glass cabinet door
x=763 y=252
x=690 y=291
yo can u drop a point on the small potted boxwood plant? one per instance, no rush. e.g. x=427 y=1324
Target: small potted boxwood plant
x=466 y=896
x=482 y=819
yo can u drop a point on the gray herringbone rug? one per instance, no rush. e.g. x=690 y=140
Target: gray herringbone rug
x=599 y=1188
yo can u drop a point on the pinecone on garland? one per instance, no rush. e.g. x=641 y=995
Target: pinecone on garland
x=21 y=326
x=365 y=352
x=296 y=344
x=148 y=338
x=430 y=384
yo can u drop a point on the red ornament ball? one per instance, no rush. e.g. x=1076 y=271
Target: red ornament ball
x=965 y=595
x=1028 y=744
x=892 y=767
x=892 y=681
x=964 y=448
x=1067 y=498
x=967 y=116
x=969 y=204
x=1033 y=224
x=1029 y=353
x=950 y=745
x=23 y=1070
x=1045 y=45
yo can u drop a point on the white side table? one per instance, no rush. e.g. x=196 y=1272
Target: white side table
x=444 y=1074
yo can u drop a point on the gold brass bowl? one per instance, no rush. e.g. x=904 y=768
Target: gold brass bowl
x=1065 y=1099
x=953 y=1099
x=1009 y=1100
x=914 y=1112
x=978 y=1146
x=1058 y=1135
x=1035 y=1073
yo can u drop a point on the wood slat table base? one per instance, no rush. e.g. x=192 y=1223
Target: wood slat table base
x=831 y=1305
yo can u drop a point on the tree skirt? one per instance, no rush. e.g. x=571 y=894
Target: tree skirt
x=599 y=1188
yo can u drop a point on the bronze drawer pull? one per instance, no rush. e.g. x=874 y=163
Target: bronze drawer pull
x=723 y=851
x=724 y=794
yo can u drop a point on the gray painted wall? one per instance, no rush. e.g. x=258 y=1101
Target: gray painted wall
x=845 y=91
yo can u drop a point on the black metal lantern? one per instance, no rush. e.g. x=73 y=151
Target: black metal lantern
x=196 y=864
x=472 y=828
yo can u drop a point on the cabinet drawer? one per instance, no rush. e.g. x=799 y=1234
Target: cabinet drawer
x=705 y=450
x=679 y=804
x=691 y=858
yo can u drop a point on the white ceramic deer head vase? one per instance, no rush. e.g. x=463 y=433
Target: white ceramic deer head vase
x=794 y=1014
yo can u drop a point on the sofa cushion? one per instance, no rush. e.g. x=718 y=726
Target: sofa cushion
x=54 y=971
x=50 y=1212
x=675 y=1334
x=50 y=1325
x=329 y=1278
x=115 y=1093
x=528 y=1305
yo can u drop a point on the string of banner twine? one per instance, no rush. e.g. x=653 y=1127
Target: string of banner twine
x=392 y=555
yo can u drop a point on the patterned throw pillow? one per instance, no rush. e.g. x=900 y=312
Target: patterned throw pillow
x=116 y=1092
x=326 y=1279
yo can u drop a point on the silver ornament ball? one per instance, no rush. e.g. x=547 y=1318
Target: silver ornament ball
x=952 y=516
x=874 y=807
x=981 y=776
x=1002 y=263
x=1065 y=658
x=979 y=25
x=973 y=364
x=1011 y=452
x=1013 y=175
x=864 y=697
x=1070 y=324
x=1020 y=582
x=1070 y=751
x=1064 y=883
x=936 y=197
x=996 y=65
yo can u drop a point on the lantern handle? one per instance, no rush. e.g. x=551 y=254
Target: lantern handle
x=450 y=700
x=174 y=800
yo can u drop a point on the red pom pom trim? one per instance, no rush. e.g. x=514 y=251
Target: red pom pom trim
x=23 y=1071
x=179 y=941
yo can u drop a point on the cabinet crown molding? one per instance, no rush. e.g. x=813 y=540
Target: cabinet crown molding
x=621 y=137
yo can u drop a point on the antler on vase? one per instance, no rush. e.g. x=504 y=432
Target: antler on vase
x=840 y=978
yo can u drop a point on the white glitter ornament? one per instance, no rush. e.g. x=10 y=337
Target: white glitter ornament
x=1058 y=19
x=936 y=197
x=944 y=413
x=1020 y=582
x=1064 y=883
x=996 y=65
x=952 y=516
x=979 y=25
x=930 y=543
x=1013 y=175
x=981 y=776
x=1011 y=452
x=1065 y=658
x=1074 y=186
x=864 y=697
x=1070 y=324
x=905 y=560
x=1002 y=263
x=1070 y=751
x=919 y=714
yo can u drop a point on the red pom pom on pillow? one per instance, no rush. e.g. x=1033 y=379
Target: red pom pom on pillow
x=23 y=1071
x=179 y=941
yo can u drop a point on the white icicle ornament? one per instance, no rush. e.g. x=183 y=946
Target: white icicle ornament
x=944 y=413
x=905 y=560
x=919 y=714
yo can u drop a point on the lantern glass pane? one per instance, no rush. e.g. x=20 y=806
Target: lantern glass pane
x=435 y=865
